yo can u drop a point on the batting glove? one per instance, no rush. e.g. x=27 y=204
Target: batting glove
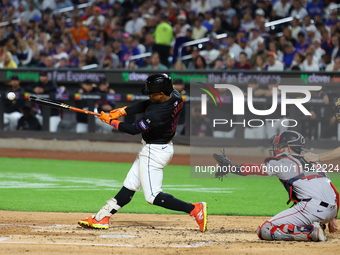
x=105 y=118
x=117 y=113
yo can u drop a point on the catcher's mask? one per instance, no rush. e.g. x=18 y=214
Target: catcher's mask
x=156 y=83
x=336 y=109
x=289 y=138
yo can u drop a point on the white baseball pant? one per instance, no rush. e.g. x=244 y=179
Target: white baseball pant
x=147 y=169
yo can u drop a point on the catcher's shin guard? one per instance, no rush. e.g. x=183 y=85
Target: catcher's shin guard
x=288 y=232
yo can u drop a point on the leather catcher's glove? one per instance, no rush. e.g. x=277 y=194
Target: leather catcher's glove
x=224 y=162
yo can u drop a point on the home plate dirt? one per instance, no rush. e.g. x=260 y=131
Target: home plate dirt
x=58 y=233
x=139 y=234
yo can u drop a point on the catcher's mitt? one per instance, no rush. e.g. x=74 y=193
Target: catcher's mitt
x=224 y=162
x=337 y=109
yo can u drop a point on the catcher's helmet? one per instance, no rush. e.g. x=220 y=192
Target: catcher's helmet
x=289 y=138
x=156 y=83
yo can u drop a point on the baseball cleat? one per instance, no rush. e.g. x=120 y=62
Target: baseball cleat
x=91 y=222
x=199 y=213
x=317 y=234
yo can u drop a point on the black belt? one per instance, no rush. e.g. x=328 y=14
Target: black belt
x=322 y=203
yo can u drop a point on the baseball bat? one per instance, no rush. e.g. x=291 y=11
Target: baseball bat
x=58 y=105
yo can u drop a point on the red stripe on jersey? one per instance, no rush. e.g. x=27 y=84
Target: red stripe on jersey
x=337 y=198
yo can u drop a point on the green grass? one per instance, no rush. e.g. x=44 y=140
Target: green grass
x=84 y=186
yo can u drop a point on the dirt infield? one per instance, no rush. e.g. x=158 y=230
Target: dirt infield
x=58 y=233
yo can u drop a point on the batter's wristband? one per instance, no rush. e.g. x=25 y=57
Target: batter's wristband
x=115 y=123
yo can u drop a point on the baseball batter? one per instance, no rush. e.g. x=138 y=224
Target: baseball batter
x=158 y=127
x=316 y=199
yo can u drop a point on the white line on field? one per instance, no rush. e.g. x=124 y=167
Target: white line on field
x=115 y=245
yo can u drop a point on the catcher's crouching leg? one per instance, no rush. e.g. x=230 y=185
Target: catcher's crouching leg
x=288 y=232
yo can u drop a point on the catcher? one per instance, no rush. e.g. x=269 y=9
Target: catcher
x=315 y=197
x=334 y=154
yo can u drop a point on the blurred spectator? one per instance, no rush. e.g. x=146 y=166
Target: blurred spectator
x=190 y=64
x=99 y=51
x=298 y=59
x=44 y=86
x=281 y=9
x=210 y=54
x=259 y=64
x=244 y=46
x=200 y=63
x=200 y=125
x=82 y=48
x=24 y=53
x=92 y=33
x=334 y=66
x=333 y=19
x=163 y=36
x=230 y=63
x=105 y=6
x=179 y=65
x=7 y=61
x=91 y=57
x=63 y=4
x=335 y=47
x=87 y=87
x=298 y=10
x=315 y=7
x=296 y=28
x=309 y=64
x=255 y=39
x=274 y=47
x=155 y=63
x=318 y=51
x=82 y=60
x=110 y=55
x=73 y=58
x=28 y=121
x=247 y=22
x=97 y=19
x=312 y=33
x=12 y=108
x=199 y=31
x=261 y=51
x=31 y=13
x=178 y=42
x=135 y=24
x=105 y=105
x=243 y=62
x=233 y=47
x=129 y=50
x=79 y=31
x=288 y=54
x=272 y=63
x=301 y=44
x=219 y=64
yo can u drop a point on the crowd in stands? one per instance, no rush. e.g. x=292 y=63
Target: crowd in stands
x=107 y=33
x=40 y=33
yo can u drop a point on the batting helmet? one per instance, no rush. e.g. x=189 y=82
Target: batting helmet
x=156 y=83
x=289 y=138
